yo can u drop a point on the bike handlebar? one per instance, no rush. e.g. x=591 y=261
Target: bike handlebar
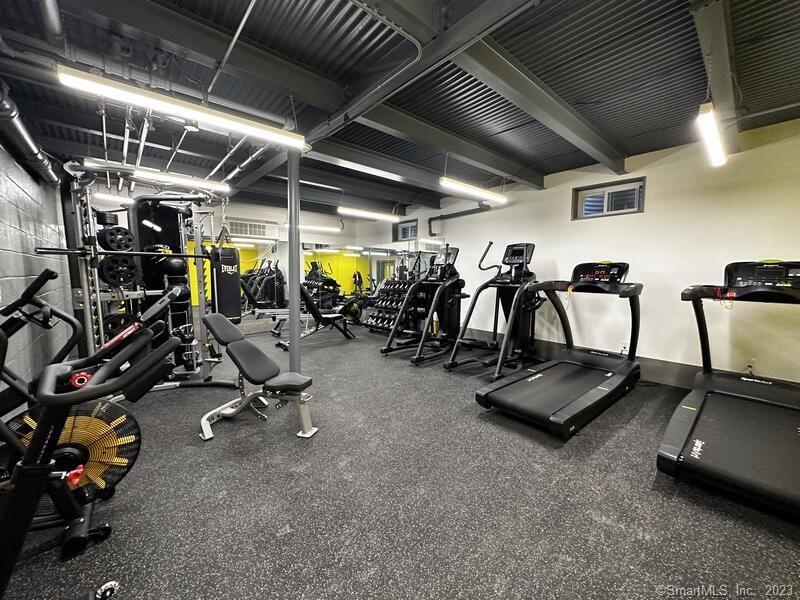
x=98 y=388
x=30 y=292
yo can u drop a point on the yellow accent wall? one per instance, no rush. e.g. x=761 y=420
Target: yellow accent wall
x=340 y=267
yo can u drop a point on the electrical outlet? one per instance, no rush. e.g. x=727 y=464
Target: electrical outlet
x=751 y=365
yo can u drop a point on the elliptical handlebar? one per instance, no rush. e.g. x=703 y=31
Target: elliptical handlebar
x=490 y=267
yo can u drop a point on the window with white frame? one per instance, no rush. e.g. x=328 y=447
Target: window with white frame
x=406 y=230
x=620 y=197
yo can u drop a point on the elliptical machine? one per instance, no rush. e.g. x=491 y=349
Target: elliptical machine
x=519 y=310
x=431 y=310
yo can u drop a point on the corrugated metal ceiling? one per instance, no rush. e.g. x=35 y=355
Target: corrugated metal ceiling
x=766 y=39
x=632 y=68
x=334 y=37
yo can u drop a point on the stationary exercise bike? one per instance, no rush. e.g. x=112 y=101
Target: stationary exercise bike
x=126 y=364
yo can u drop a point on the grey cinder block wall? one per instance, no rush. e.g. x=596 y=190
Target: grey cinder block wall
x=30 y=216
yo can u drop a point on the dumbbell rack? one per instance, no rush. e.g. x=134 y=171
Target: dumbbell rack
x=386 y=307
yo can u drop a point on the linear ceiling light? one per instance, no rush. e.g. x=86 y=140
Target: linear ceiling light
x=151 y=225
x=241 y=245
x=709 y=130
x=374 y=253
x=472 y=191
x=251 y=240
x=113 y=198
x=431 y=242
x=353 y=248
x=327 y=251
x=109 y=89
x=354 y=254
x=317 y=228
x=367 y=214
x=181 y=181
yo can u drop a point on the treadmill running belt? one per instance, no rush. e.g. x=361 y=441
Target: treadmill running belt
x=748 y=446
x=545 y=393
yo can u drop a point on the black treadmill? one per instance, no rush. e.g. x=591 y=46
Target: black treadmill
x=566 y=393
x=740 y=432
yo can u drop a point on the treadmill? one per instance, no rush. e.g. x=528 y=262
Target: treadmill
x=566 y=393
x=740 y=432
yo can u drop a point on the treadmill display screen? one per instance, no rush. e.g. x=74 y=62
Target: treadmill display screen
x=600 y=273
x=763 y=274
x=518 y=254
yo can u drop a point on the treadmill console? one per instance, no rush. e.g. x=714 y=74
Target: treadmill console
x=783 y=274
x=600 y=272
x=518 y=255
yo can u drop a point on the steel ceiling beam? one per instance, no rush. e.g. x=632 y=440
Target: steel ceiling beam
x=348 y=156
x=713 y=23
x=361 y=187
x=399 y=123
x=193 y=39
x=481 y=21
x=320 y=196
x=494 y=66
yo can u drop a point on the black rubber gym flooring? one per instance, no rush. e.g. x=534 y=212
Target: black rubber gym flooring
x=411 y=490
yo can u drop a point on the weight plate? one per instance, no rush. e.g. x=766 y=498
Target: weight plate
x=117 y=239
x=117 y=271
x=113 y=324
x=106 y=218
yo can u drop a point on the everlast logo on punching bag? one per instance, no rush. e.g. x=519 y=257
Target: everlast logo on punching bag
x=232 y=269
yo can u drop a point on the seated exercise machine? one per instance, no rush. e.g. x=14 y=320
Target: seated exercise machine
x=335 y=319
x=566 y=393
x=519 y=310
x=259 y=369
x=739 y=432
x=430 y=313
x=61 y=389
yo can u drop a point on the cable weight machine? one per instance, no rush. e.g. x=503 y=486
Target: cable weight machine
x=104 y=279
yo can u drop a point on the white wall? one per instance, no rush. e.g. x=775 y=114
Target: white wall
x=696 y=220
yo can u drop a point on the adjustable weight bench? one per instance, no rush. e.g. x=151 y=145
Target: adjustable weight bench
x=259 y=369
x=322 y=320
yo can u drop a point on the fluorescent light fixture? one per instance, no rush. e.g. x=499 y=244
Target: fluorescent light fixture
x=241 y=245
x=318 y=228
x=472 y=191
x=327 y=250
x=709 y=130
x=113 y=198
x=353 y=248
x=95 y=85
x=249 y=240
x=324 y=186
x=431 y=242
x=181 y=180
x=375 y=253
x=354 y=254
x=308 y=253
x=367 y=214
x=151 y=225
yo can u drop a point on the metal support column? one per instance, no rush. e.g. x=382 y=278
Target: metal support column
x=200 y=331
x=293 y=196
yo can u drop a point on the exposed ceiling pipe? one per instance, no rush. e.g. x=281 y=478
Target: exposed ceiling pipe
x=125 y=141
x=245 y=163
x=227 y=157
x=234 y=39
x=14 y=130
x=140 y=149
x=53 y=26
x=101 y=109
x=454 y=215
x=175 y=149
x=124 y=70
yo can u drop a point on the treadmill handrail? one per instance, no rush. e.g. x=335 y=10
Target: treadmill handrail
x=623 y=290
x=753 y=293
